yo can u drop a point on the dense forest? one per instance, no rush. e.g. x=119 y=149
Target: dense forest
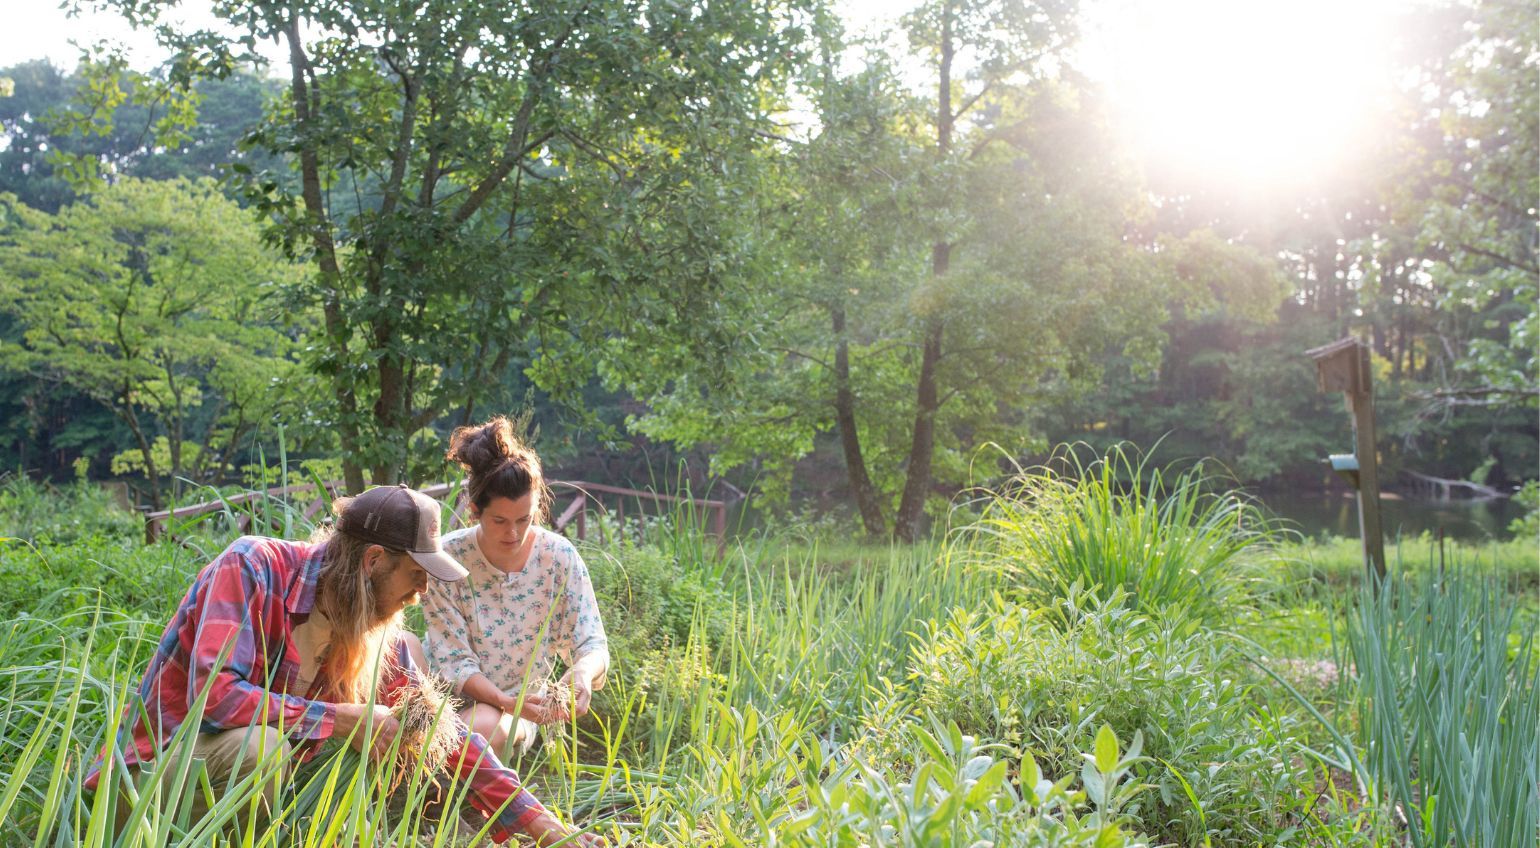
x=744 y=238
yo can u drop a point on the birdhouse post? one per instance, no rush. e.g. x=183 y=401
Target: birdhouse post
x=1343 y=366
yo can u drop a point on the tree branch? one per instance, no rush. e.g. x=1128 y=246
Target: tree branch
x=1498 y=257
x=518 y=146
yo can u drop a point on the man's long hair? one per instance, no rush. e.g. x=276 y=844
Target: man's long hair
x=345 y=594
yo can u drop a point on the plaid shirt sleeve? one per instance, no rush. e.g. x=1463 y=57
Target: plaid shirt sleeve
x=494 y=789
x=239 y=614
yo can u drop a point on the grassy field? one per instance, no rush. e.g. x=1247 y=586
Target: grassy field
x=1047 y=675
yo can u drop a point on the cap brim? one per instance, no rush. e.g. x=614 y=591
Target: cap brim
x=440 y=565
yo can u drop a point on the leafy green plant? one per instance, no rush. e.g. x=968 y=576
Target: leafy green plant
x=1043 y=681
x=960 y=793
x=1159 y=540
x=45 y=514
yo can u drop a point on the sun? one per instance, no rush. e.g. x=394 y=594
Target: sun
x=1251 y=94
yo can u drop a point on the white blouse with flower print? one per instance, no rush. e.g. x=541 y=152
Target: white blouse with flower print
x=509 y=627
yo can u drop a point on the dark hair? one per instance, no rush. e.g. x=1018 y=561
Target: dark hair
x=498 y=465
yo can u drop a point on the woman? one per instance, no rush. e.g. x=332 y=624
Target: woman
x=528 y=599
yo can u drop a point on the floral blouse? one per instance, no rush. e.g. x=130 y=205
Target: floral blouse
x=510 y=626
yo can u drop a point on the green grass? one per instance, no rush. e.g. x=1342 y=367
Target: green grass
x=1335 y=566
x=805 y=691
x=1449 y=708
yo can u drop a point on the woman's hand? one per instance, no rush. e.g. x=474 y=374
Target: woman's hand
x=532 y=707
x=582 y=693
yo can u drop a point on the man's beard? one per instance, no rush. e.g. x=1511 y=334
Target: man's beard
x=387 y=609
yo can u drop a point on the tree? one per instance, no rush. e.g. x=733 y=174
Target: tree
x=1464 y=207
x=51 y=118
x=157 y=300
x=434 y=140
x=950 y=262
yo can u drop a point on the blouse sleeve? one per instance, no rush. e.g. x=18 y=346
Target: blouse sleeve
x=579 y=629
x=448 y=645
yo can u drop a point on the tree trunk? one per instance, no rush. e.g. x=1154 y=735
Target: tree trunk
x=326 y=257
x=911 y=506
x=861 y=488
x=126 y=412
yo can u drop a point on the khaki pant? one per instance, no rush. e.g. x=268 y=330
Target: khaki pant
x=228 y=758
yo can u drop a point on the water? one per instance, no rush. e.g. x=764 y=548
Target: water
x=1334 y=513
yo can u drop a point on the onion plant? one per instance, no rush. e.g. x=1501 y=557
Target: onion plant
x=1449 y=708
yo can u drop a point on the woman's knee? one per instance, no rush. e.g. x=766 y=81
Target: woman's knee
x=489 y=722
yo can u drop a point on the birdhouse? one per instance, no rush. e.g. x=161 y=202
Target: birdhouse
x=1341 y=366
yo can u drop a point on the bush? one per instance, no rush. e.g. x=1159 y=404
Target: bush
x=666 y=617
x=1042 y=681
x=1161 y=542
x=43 y=514
x=960 y=793
x=134 y=579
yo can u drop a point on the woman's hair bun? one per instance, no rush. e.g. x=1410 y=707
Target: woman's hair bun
x=481 y=449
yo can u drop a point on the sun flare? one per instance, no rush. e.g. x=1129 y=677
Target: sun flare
x=1255 y=93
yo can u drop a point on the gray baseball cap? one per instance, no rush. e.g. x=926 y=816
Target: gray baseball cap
x=402 y=519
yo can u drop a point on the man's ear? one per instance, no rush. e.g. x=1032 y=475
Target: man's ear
x=373 y=556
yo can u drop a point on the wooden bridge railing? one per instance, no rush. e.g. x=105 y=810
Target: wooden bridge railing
x=573 y=501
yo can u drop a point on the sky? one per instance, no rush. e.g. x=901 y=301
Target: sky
x=1252 y=92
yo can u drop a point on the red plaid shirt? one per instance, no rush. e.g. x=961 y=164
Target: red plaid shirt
x=247 y=602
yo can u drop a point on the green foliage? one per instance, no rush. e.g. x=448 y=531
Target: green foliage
x=792 y=693
x=1449 y=708
x=959 y=793
x=1043 y=681
x=469 y=202
x=155 y=300
x=660 y=599
x=41 y=514
x=43 y=117
x=1467 y=205
x=947 y=266
x=1334 y=567
x=1158 y=540
x=1526 y=529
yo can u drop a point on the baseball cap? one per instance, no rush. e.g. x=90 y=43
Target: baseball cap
x=402 y=519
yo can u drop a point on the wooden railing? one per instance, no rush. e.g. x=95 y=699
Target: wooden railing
x=573 y=501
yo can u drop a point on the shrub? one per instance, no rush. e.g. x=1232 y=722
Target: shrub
x=1042 y=681
x=43 y=514
x=144 y=581
x=960 y=793
x=1160 y=541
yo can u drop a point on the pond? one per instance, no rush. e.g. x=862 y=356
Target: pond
x=1336 y=513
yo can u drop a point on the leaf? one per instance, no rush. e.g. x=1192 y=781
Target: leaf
x=1106 y=750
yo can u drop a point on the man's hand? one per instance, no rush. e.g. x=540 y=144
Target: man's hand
x=355 y=721
x=546 y=829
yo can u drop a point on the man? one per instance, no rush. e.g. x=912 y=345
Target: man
x=290 y=640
